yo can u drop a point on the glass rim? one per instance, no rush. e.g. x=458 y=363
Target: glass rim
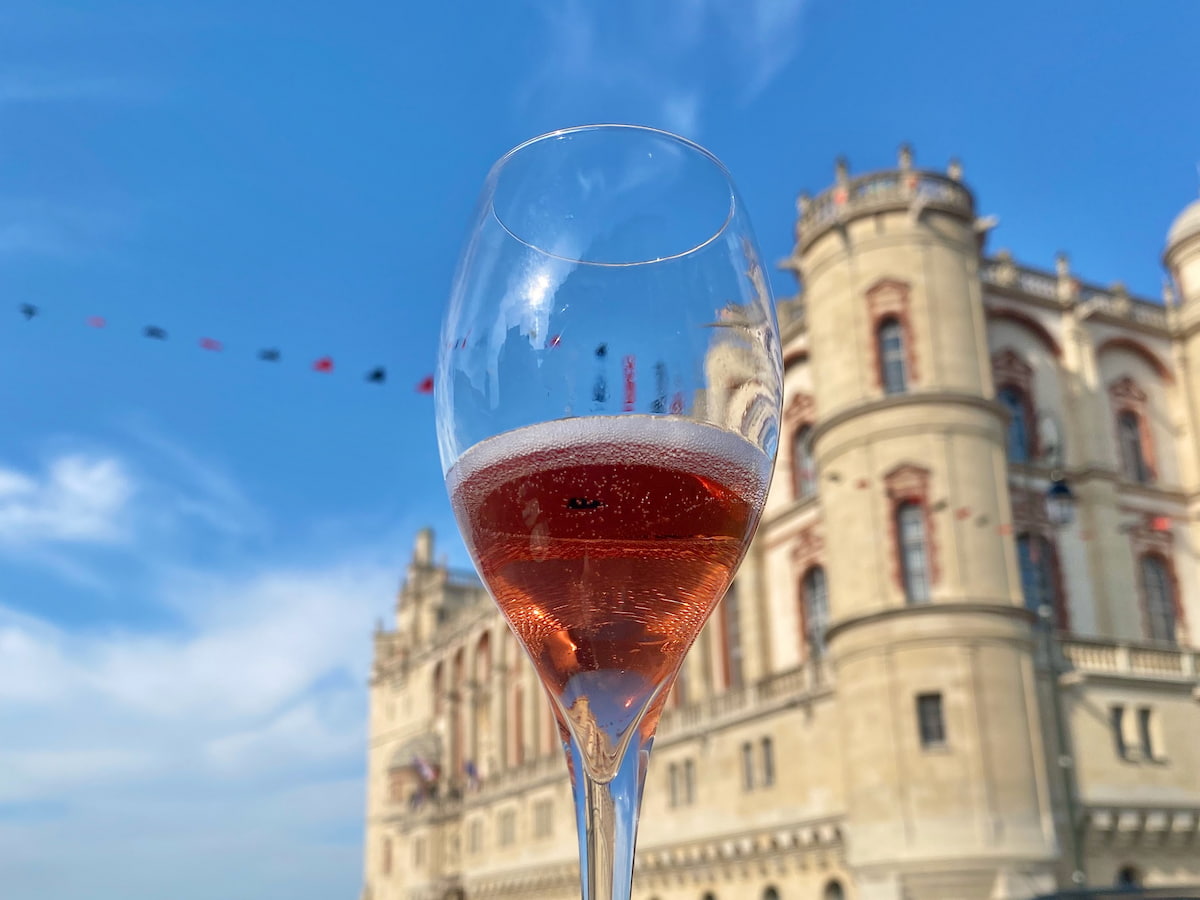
x=498 y=166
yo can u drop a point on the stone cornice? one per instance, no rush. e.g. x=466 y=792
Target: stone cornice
x=899 y=401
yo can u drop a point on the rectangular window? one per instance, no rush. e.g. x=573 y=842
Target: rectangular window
x=892 y=356
x=672 y=785
x=768 y=762
x=1146 y=733
x=542 y=818
x=1116 y=716
x=507 y=827
x=914 y=562
x=747 y=767
x=475 y=836
x=930 y=722
x=689 y=782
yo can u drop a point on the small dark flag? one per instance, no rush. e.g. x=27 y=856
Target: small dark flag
x=28 y=310
x=377 y=375
x=324 y=364
x=211 y=344
x=425 y=385
x=153 y=331
x=96 y=321
x=269 y=355
x=602 y=351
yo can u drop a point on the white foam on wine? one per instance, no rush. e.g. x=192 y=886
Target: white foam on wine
x=681 y=444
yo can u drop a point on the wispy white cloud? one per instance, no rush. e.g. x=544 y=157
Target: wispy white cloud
x=228 y=740
x=77 y=499
x=198 y=489
x=659 y=60
x=256 y=704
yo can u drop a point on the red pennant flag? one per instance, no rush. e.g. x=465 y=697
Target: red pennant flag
x=96 y=321
x=324 y=364
x=556 y=340
x=425 y=385
x=210 y=344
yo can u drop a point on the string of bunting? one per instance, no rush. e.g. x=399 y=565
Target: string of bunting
x=324 y=364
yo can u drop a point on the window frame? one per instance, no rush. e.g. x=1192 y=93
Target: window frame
x=912 y=512
x=1155 y=605
x=1021 y=415
x=1116 y=724
x=814 y=587
x=804 y=465
x=1146 y=729
x=766 y=748
x=748 y=779
x=1049 y=571
x=890 y=328
x=931 y=730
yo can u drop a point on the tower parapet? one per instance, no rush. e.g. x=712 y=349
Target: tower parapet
x=901 y=189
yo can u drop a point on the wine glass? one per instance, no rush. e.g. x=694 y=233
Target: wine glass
x=608 y=392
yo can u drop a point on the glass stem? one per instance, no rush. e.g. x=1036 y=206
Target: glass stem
x=606 y=815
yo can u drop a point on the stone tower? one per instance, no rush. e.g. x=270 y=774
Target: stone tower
x=947 y=792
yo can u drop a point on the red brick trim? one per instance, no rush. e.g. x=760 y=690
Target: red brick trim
x=1126 y=396
x=1137 y=348
x=1029 y=323
x=890 y=299
x=909 y=483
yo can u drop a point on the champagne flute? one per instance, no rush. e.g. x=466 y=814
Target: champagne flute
x=608 y=393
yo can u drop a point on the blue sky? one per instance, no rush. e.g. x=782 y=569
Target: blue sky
x=194 y=544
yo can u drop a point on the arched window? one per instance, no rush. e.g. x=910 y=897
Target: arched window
x=771 y=893
x=1020 y=423
x=804 y=473
x=1133 y=456
x=731 y=639
x=893 y=366
x=816 y=611
x=1158 y=589
x=914 y=556
x=833 y=891
x=709 y=895
x=1039 y=574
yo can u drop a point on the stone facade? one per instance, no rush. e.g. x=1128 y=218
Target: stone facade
x=923 y=683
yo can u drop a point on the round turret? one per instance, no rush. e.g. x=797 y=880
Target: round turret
x=1182 y=254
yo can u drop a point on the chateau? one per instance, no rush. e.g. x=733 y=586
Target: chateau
x=959 y=662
